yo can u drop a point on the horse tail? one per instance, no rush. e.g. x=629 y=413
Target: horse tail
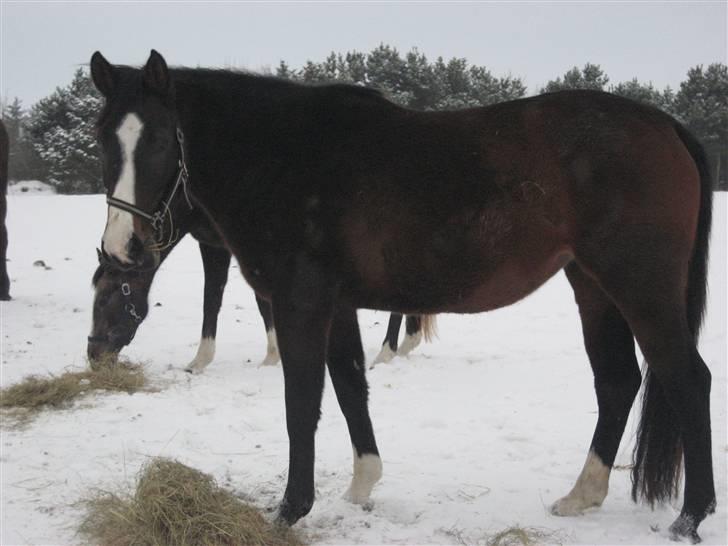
x=658 y=454
x=429 y=327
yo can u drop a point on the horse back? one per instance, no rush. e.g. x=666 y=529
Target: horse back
x=472 y=210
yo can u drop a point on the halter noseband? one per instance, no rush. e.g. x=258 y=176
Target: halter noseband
x=156 y=219
x=129 y=307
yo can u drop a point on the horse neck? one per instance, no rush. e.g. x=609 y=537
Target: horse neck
x=211 y=115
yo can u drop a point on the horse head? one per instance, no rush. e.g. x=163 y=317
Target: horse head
x=120 y=306
x=143 y=160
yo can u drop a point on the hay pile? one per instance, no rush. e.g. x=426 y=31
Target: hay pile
x=25 y=399
x=178 y=505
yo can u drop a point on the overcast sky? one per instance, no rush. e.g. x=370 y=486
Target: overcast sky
x=44 y=42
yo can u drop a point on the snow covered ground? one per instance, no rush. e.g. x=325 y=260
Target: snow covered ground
x=480 y=430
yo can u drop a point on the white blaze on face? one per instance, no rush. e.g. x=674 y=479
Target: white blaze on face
x=120 y=223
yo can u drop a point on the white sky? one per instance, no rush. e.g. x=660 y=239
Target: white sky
x=44 y=42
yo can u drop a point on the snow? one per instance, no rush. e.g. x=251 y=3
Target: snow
x=30 y=186
x=479 y=430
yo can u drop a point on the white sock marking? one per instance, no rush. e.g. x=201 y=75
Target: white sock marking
x=385 y=355
x=120 y=223
x=409 y=342
x=205 y=354
x=590 y=489
x=367 y=472
x=271 y=355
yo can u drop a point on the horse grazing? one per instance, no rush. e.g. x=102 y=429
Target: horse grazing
x=332 y=198
x=121 y=297
x=4 y=152
x=121 y=301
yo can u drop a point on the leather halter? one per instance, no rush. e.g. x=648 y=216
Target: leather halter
x=156 y=218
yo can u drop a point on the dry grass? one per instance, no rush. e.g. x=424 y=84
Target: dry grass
x=522 y=536
x=25 y=399
x=178 y=505
x=512 y=536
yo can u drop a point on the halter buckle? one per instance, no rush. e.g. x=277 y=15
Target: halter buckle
x=157 y=221
x=131 y=309
x=126 y=289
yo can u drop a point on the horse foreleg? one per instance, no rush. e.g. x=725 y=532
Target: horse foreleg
x=215 y=262
x=610 y=347
x=303 y=299
x=347 y=370
x=271 y=354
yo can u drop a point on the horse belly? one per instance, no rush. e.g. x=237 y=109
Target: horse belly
x=486 y=262
x=512 y=282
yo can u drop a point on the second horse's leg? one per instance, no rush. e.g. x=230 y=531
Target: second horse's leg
x=271 y=354
x=389 y=345
x=215 y=262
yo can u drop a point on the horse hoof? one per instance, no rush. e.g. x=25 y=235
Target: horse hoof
x=564 y=509
x=384 y=356
x=195 y=369
x=289 y=513
x=270 y=360
x=409 y=343
x=569 y=507
x=685 y=526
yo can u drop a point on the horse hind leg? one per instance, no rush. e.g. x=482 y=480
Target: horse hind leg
x=271 y=353
x=389 y=345
x=346 y=366
x=650 y=291
x=413 y=335
x=610 y=346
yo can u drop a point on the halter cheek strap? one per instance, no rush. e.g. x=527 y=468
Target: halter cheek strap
x=156 y=219
x=129 y=307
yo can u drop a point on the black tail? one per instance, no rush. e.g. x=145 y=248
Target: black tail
x=658 y=453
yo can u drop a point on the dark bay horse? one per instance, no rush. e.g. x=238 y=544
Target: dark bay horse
x=4 y=155
x=121 y=302
x=332 y=198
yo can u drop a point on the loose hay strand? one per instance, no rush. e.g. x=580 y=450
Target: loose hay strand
x=511 y=536
x=177 y=505
x=520 y=536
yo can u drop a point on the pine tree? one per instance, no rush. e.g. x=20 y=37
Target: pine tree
x=411 y=81
x=646 y=93
x=385 y=68
x=702 y=104
x=62 y=129
x=590 y=77
x=24 y=162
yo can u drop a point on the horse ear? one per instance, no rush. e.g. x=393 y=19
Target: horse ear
x=156 y=74
x=103 y=74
